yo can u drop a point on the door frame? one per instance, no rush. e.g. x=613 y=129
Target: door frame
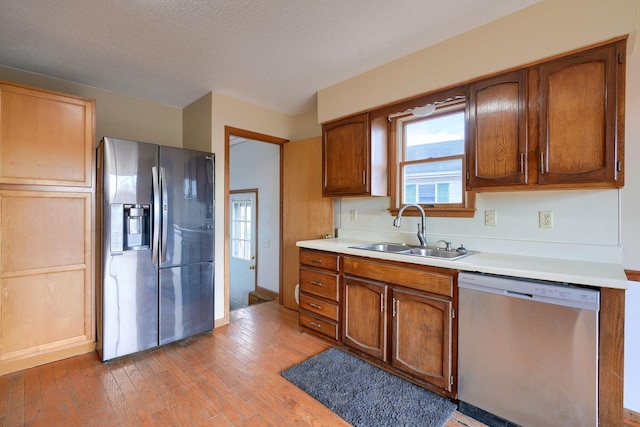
x=228 y=131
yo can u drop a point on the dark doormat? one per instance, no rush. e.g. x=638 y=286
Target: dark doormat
x=365 y=395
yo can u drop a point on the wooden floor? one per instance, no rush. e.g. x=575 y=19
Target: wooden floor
x=230 y=377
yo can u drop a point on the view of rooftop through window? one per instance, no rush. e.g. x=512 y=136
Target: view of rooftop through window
x=432 y=166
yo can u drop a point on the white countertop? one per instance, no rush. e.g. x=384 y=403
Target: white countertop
x=605 y=275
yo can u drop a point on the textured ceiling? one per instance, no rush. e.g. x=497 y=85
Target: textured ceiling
x=274 y=53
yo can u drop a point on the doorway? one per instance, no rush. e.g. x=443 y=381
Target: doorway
x=253 y=167
x=243 y=235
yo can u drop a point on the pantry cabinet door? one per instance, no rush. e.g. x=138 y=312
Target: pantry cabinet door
x=46 y=138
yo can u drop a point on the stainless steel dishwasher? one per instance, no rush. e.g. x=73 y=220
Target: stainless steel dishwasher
x=527 y=352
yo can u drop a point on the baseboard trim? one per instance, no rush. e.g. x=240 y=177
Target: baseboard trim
x=631 y=418
x=29 y=361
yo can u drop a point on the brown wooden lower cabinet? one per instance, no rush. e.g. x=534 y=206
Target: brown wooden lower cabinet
x=421 y=336
x=403 y=316
x=319 y=309
x=365 y=317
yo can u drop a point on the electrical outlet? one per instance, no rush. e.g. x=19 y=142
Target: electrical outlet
x=354 y=215
x=545 y=219
x=490 y=218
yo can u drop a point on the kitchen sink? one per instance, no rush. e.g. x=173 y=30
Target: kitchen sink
x=403 y=249
x=386 y=247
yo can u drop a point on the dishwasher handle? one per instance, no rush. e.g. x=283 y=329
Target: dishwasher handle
x=517 y=294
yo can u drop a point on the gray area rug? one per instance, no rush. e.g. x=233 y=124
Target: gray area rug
x=365 y=395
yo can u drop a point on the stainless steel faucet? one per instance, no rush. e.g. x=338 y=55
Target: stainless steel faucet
x=421 y=227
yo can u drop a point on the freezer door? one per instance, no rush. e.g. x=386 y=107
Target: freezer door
x=127 y=292
x=129 y=320
x=186 y=301
x=127 y=171
x=187 y=181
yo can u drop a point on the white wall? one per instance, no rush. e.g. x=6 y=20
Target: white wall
x=574 y=235
x=254 y=164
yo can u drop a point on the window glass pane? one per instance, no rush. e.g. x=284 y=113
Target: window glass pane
x=446 y=175
x=241 y=229
x=410 y=193
x=432 y=137
x=426 y=193
x=443 y=192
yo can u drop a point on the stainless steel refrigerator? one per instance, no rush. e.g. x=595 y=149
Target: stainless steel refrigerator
x=157 y=245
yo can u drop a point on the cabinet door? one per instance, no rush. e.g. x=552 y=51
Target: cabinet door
x=346 y=157
x=46 y=292
x=365 y=319
x=497 y=148
x=578 y=101
x=45 y=138
x=422 y=337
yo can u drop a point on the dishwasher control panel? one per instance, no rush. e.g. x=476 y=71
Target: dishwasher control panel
x=535 y=290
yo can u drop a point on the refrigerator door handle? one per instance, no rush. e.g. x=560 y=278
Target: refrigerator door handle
x=165 y=211
x=156 y=215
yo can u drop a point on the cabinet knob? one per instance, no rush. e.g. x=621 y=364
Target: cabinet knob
x=315 y=306
x=313 y=282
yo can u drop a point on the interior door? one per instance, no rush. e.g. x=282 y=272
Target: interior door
x=305 y=213
x=242 y=239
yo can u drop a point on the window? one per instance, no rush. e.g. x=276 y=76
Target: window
x=241 y=217
x=429 y=166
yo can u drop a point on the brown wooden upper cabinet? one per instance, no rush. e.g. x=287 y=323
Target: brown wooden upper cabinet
x=580 y=99
x=497 y=140
x=354 y=157
x=556 y=124
x=46 y=138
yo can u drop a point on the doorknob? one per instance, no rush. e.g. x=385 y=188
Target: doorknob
x=252 y=267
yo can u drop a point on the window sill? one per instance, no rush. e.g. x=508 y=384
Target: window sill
x=438 y=212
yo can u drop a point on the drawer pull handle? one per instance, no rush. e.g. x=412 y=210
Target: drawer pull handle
x=313 y=282
x=317 y=261
x=317 y=325
x=315 y=306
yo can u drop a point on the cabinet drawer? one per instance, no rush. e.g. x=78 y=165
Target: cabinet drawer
x=438 y=283
x=318 y=306
x=316 y=324
x=322 y=260
x=320 y=284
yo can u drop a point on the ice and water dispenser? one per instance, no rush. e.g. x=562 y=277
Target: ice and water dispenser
x=130 y=227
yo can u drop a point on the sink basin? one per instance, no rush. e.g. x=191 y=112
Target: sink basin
x=437 y=253
x=386 y=247
x=400 y=248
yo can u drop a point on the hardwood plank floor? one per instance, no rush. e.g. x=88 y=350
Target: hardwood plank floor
x=230 y=377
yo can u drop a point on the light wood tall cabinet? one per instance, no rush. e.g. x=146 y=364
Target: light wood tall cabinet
x=46 y=226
